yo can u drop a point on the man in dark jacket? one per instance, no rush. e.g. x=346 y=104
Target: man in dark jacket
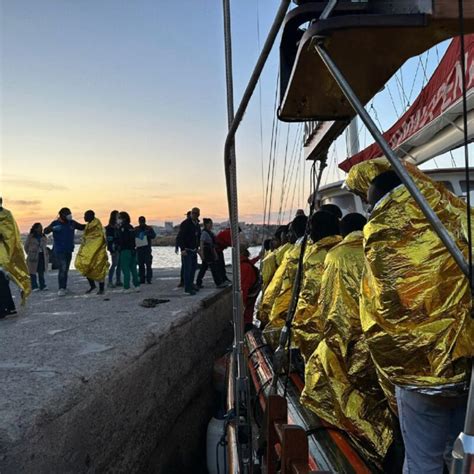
x=189 y=237
x=144 y=234
x=63 y=229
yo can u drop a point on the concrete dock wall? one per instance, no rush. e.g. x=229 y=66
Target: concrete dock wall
x=136 y=401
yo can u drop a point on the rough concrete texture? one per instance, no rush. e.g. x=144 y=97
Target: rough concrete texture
x=101 y=384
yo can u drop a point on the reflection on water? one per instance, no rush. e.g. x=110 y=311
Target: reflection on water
x=165 y=257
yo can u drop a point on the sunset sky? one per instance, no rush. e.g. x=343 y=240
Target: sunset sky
x=121 y=104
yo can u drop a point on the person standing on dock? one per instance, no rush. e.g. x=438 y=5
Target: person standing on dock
x=128 y=254
x=209 y=256
x=91 y=260
x=37 y=257
x=189 y=238
x=112 y=236
x=144 y=234
x=12 y=263
x=63 y=229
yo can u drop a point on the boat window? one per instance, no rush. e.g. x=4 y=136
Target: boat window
x=344 y=201
x=464 y=186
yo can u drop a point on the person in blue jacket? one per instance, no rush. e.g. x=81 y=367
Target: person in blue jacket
x=63 y=229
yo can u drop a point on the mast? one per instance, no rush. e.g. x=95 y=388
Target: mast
x=352 y=137
x=241 y=398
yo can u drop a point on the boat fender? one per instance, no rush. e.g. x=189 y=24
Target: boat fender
x=215 y=446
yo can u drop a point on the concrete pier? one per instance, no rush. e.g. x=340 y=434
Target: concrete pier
x=101 y=384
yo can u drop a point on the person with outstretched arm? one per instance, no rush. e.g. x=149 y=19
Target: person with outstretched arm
x=63 y=229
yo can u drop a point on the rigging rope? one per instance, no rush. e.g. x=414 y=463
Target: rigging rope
x=273 y=138
x=393 y=102
x=295 y=186
x=282 y=191
x=294 y=157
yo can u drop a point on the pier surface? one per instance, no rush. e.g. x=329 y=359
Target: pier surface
x=99 y=383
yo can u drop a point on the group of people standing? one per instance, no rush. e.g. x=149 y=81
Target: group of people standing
x=383 y=319
x=129 y=248
x=192 y=241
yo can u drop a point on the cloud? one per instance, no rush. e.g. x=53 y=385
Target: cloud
x=23 y=202
x=32 y=183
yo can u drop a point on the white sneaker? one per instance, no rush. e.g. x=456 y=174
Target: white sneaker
x=126 y=291
x=62 y=292
x=34 y=290
x=137 y=289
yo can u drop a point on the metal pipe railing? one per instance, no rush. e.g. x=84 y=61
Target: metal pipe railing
x=242 y=385
x=401 y=171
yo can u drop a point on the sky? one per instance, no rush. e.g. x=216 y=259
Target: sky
x=119 y=104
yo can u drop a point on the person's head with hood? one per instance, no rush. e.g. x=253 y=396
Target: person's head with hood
x=124 y=218
x=361 y=175
x=351 y=223
x=207 y=223
x=65 y=214
x=323 y=224
x=332 y=209
x=267 y=244
x=281 y=236
x=380 y=186
x=297 y=228
x=300 y=212
x=89 y=216
x=113 y=217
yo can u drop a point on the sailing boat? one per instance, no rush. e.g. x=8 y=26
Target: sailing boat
x=316 y=61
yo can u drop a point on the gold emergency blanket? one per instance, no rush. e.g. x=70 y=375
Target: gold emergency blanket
x=12 y=256
x=268 y=268
x=341 y=384
x=281 y=303
x=307 y=325
x=415 y=302
x=91 y=259
x=274 y=286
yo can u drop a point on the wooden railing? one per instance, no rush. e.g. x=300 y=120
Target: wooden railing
x=287 y=445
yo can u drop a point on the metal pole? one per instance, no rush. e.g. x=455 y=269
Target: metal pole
x=229 y=162
x=352 y=137
x=242 y=387
x=230 y=182
x=403 y=174
x=277 y=22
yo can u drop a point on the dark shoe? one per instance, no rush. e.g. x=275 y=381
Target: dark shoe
x=196 y=288
x=199 y=285
x=148 y=282
x=180 y=285
x=101 y=292
x=90 y=290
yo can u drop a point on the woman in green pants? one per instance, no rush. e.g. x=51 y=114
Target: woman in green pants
x=128 y=257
